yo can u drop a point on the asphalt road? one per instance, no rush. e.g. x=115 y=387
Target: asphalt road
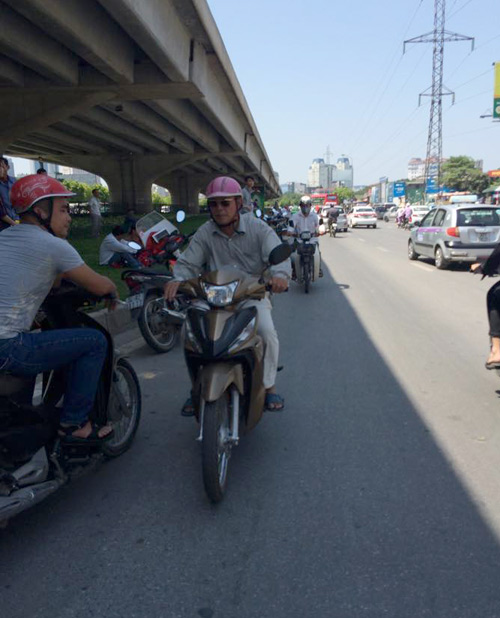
x=375 y=493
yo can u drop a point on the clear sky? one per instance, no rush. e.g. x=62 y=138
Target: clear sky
x=320 y=73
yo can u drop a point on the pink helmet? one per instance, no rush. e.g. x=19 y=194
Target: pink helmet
x=29 y=190
x=223 y=186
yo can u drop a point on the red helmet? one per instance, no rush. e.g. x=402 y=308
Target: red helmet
x=29 y=190
x=223 y=186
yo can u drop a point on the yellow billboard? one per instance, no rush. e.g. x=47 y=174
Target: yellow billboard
x=496 y=92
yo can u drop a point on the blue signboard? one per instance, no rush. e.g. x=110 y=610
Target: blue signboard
x=399 y=189
x=431 y=186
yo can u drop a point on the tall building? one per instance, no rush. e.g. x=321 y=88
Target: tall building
x=293 y=187
x=326 y=176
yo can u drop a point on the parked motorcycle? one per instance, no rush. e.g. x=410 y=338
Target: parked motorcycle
x=162 y=246
x=34 y=461
x=224 y=356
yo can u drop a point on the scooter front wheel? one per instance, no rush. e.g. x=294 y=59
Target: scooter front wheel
x=157 y=332
x=124 y=408
x=215 y=448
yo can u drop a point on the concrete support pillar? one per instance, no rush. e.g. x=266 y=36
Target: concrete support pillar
x=129 y=186
x=184 y=190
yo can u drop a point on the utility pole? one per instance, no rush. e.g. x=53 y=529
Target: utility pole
x=439 y=36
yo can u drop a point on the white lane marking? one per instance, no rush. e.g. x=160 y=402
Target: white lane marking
x=361 y=240
x=429 y=269
x=383 y=249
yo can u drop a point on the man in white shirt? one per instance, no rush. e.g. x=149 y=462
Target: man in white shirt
x=95 y=213
x=246 y=193
x=306 y=221
x=115 y=252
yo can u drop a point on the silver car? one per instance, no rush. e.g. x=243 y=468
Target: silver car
x=456 y=233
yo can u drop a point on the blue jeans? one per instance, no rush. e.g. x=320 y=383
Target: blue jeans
x=82 y=350
x=126 y=258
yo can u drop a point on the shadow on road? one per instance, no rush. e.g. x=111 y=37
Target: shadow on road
x=342 y=506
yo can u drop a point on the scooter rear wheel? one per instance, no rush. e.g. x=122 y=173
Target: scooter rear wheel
x=124 y=409
x=215 y=450
x=158 y=334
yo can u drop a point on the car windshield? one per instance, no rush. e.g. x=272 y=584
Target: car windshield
x=473 y=217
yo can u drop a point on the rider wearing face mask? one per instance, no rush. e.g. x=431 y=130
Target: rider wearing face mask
x=34 y=255
x=240 y=241
x=306 y=221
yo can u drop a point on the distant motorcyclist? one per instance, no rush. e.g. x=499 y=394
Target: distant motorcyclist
x=305 y=221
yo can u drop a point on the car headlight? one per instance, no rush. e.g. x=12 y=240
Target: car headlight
x=245 y=334
x=220 y=295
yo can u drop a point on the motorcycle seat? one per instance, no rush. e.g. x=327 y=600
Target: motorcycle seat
x=11 y=384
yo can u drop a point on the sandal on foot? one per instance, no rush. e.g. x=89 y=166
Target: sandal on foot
x=492 y=365
x=274 y=402
x=188 y=408
x=66 y=433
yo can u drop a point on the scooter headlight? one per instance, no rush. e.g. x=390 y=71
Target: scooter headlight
x=220 y=295
x=245 y=334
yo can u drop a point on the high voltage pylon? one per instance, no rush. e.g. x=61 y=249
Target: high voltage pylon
x=439 y=36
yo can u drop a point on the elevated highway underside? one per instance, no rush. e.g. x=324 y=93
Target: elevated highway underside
x=136 y=92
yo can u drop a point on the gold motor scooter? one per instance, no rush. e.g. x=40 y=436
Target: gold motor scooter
x=224 y=355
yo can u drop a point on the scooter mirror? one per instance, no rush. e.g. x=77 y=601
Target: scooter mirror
x=258 y=213
x=280 y=254
x=180 y=215
x=134 y=245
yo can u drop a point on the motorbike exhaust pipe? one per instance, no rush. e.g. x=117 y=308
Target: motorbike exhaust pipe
x=25 y=498
x=176 y=317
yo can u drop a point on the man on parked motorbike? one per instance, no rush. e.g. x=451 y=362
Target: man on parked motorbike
x=244 y=242
x=116 y=251
x=35 y=256
x=305 y=221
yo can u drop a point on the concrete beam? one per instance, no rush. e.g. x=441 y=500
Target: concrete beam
x=188 y=119
x=31 y=114
x=157 y=29
x=11 y=72
x=85 y=129
x=86 y=29
x=25 y=43
x=118 y=126
x=70 y=141
x=131 y=92
x=141 y=116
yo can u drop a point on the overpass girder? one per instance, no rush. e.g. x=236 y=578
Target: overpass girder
x=86 y=29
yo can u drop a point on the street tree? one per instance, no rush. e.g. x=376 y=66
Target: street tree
x=461 y=174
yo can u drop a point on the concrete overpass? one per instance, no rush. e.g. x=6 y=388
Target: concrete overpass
x=136 y=91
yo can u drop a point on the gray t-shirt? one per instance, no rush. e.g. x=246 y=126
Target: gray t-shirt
x=30 y=260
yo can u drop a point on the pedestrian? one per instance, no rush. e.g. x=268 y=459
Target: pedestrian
x=42 y=171
x=8 y=215
x=95 y=213
x=247 y=191
x=115 y=250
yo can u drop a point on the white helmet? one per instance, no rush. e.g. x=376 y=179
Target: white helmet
x=305 y=205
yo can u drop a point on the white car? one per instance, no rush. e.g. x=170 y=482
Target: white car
x=418 y=214
x=362 y=215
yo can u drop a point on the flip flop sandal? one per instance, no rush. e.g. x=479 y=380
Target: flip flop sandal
x=492 y=365
x=274 y=400
x=188 y=408
x=65 y=433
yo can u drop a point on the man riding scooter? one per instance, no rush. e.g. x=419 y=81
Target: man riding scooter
x=35 y=256
x=305 y=221
x=245 y=242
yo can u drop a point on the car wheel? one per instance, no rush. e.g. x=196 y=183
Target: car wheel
x=412 y=254
x=440 y=261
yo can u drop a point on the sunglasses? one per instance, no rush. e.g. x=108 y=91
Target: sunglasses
x=224 y=203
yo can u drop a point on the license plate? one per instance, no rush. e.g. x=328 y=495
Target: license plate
x=483 y=236
x=135 y=301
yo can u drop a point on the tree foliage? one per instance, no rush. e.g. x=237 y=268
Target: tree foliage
x=83 y=191
x=460 y=174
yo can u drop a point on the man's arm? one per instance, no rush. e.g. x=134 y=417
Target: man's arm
x=90 y=280
x=7 y=219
